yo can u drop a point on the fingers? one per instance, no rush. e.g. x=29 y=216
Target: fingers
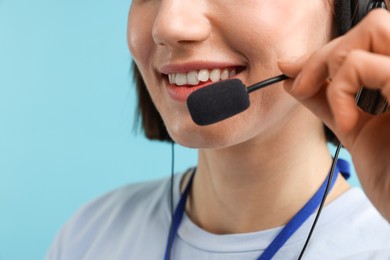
x=291 y=67
x=310 y=72
x=372 y=35
x=359 y=69
x=328 y=80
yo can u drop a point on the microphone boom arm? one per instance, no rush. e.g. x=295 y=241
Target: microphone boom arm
x=267 y=82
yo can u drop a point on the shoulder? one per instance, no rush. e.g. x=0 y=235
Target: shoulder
x=125 y=201
x=351 y=226
x=129 y=196
x=120 y=215
x=355 y=210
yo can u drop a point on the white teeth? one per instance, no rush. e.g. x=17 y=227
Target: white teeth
x=172 y=78
x=204 y=75
x=181 y=79
x=194 y=77
x=215 y=75
x=225 y=74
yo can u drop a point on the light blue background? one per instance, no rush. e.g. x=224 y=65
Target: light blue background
x=66 y=110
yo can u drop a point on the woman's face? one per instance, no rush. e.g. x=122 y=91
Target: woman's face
x=181 y=45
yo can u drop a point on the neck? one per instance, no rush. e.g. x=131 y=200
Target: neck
x=258 y=184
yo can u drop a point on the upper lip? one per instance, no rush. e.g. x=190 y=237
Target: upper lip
x=194 y=65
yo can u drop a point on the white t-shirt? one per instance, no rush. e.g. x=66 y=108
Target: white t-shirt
x=133 y=223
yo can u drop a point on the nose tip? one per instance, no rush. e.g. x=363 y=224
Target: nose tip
x=179 y=22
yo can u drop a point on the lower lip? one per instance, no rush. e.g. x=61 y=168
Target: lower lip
x=181 y=93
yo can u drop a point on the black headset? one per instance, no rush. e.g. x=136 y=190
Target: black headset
x=349 y=12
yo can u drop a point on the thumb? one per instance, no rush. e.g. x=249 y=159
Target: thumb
x=292 y=66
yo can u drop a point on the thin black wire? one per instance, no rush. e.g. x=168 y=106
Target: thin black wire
x=330 y=177
x=171 y=198
x=335 y=157
x=267 y=82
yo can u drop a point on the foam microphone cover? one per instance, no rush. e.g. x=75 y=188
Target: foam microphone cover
x=218 y=101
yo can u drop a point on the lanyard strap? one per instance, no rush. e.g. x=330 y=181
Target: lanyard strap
x=178 y=216
x=302 y=215
x=291 y=227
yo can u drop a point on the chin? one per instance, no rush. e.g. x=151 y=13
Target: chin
x=216 y=136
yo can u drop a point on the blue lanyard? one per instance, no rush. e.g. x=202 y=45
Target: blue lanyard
x=291 y=227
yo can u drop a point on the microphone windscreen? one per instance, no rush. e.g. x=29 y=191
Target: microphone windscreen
x=218 y=101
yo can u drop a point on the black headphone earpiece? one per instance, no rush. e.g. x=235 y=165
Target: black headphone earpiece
x=350 y=12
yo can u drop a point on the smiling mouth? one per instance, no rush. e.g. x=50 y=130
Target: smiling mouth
x=197 y=77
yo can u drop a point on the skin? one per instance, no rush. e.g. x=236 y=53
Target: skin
x=156 y=37
x=252 y=168
x=359 y=58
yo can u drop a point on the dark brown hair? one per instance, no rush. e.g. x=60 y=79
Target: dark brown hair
x=146 y=113
x=153 y=126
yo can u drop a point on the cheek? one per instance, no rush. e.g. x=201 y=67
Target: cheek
x=139 y=33
x=279 y=28
x=306 y=29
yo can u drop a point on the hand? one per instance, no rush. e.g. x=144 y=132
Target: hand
x=327 y=82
